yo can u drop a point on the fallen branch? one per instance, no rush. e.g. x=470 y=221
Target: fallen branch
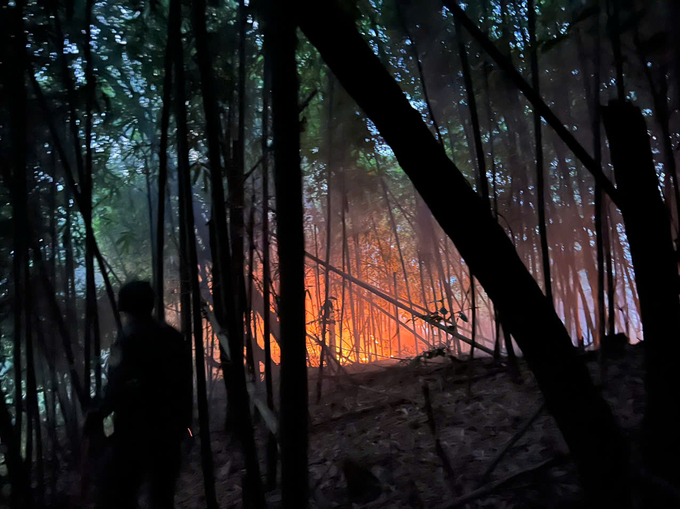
x=520 y=433
x=401 y=324
x=437 y=443
x=332 y=356
x=498 y=485
x=395 y=302
x=268 y=416
x=490 y=373
x=659 y=485
x=358 y=414
x=302 y=107
x=254 y=167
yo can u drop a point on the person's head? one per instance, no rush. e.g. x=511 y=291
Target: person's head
x=137 y=299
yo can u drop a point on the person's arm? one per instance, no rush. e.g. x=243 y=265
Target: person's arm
x=187 y=377
x=115 y=379
x=180 y=378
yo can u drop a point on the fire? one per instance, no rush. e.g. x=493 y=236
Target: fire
x=374 y=317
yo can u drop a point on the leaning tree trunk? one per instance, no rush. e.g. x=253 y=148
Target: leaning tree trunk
x=582 y=415
x=281 y=37
x=649 y=234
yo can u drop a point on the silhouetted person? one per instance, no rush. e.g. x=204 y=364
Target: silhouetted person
x=149 y=391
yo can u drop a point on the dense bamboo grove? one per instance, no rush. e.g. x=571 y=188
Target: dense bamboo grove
x=159 y=141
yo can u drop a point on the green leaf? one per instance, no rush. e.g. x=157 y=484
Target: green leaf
x=107 y=90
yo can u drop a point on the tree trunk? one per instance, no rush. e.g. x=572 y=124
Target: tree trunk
x=163 y=180
x=19 y=211
x=492 y=124
x=614 y=33
x=599 y=233
x=474 y=117
x=582 y=415
x=50 y=395
x=58 y=390
x=282 y=39
x=359 y=314
x=473 y=324
x=14 y=82
x=344 y=264
x=190 y=256
x=232 y=314
x=326 y=310
x=393 y=223
x=611 y=284
x=235 y=177
x=396 y=315
x=52 y=204
x=92 y=333
x=18 y=134
x=33 y=410
x=345 y=254
x=272 y=449
x=538 y=133
x=251 y=342
x=663 y=115
x=649 y=234
x=149 y=205
x=16 y=469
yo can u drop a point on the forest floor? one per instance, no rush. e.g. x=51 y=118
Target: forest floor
x=378 y=420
